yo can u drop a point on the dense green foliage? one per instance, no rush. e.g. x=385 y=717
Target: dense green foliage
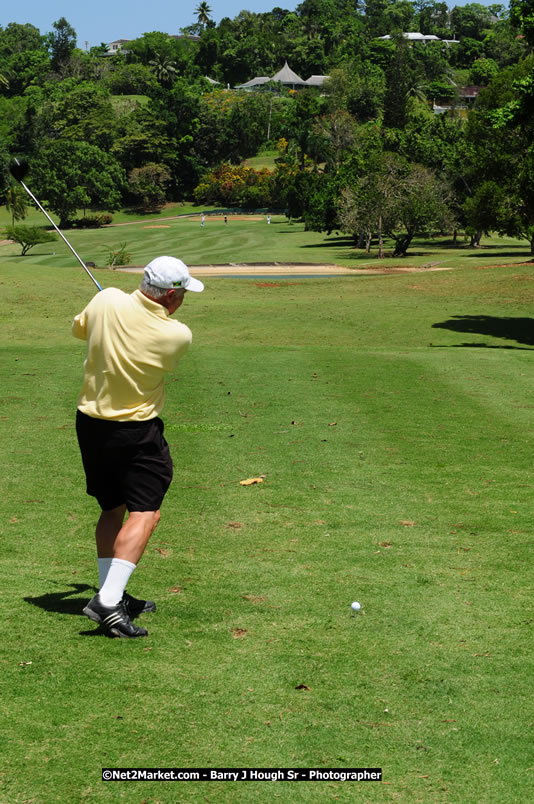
x=149 y=121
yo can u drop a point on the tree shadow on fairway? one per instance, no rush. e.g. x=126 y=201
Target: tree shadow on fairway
x=63 y=602
x=501 y=254
x=520 y=330
x=341 y=240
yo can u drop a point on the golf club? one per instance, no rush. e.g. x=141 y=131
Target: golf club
x=18 y=169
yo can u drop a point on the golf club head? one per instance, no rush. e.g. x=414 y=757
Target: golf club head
x=18 y=168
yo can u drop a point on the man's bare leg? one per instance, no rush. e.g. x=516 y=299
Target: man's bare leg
x=127 y=540
x=107 y=529
x=122 y=544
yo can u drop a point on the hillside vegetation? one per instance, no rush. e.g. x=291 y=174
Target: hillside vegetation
x=402 y=138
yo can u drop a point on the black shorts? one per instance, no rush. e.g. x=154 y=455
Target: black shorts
x=126 y=463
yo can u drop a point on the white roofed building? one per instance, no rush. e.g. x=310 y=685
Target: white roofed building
x=415 y=36
x=287 y=77
x=117 y=46
x=316 y=80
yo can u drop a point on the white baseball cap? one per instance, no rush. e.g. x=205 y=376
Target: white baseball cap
x=170 y=272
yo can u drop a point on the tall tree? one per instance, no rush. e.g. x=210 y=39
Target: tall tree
x=61 y=42
x=164 y=69
x=16 y=38
x=203 y=12
x=402 y=76
x=72 y=175
x=501 y=130
x=16 y=203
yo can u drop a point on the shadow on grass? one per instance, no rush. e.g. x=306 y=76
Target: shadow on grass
x=63 y=602
x=335 y=241
x=520 y=330
x=501 y=254
x=480 y=345
x=140 y=212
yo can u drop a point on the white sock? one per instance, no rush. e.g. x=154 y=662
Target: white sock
x=115 y=584
x=103 y=568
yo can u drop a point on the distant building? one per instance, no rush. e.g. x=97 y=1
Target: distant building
x=415 y=36
x=316 y=80
x=287 y=77
x=469 y=94
x=117 y=46
x=466 y=100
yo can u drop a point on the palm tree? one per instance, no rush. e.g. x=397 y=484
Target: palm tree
x=417 y=90
x=163 y=68
x=16 y=203
x=203 y=14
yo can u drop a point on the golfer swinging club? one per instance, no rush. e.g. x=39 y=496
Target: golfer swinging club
x=131 y=344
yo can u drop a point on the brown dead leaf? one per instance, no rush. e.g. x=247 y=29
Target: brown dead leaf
x=254 y=598
x=332 y=424
x=176 y=590
x=235 y=525
x=251 y=481
x=239 y=633
x=162 y=552
x=408 y=523
x=303 y=687
x=13 y=520
x=385 y=544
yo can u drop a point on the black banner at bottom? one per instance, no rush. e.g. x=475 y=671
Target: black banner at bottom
x=242 y=774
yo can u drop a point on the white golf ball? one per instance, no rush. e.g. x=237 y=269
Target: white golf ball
x=355 y=606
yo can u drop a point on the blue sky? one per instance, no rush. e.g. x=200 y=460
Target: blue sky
x=97 y=21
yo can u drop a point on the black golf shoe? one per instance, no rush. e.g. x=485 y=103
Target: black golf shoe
x=135 y=607
x=114 y=619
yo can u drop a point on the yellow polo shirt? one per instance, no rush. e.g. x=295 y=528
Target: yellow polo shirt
x=132 y=342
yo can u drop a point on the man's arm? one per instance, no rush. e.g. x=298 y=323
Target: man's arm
x=79 y=326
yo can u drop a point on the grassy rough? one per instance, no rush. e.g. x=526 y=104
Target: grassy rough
x=392 y=419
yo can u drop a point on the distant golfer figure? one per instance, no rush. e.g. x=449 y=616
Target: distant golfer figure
x=268 y=218
x=226 y=218
x=202 y=220
x=132 y=342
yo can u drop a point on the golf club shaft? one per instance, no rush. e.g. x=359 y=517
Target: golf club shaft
x=60 y=233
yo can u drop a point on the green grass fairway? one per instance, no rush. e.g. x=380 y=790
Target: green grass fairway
x=249 y=240
x=265 y=159
x=391 y=420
